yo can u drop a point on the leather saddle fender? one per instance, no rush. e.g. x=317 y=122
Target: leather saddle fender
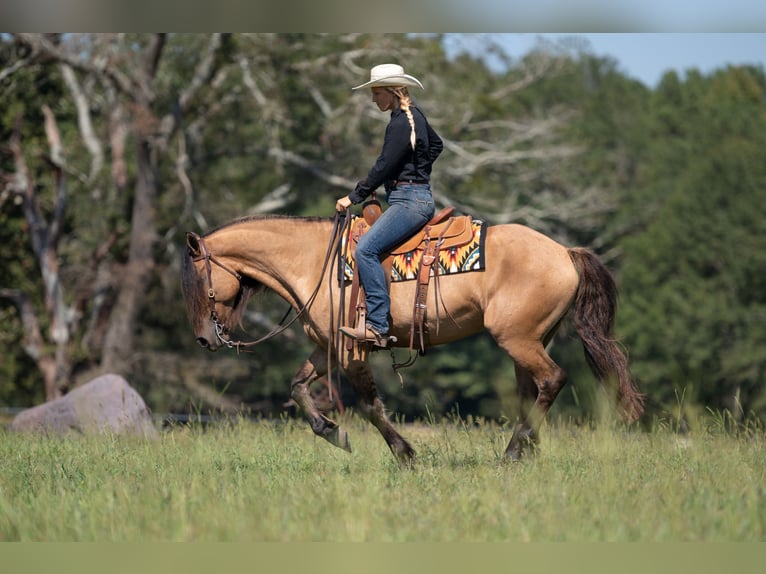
x=443 y=231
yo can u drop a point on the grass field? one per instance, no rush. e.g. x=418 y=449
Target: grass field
x=274 y=481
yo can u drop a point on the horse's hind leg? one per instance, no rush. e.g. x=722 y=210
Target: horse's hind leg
x=524 y=437
x=360 y=376
x=313 y=368
x=539 y=382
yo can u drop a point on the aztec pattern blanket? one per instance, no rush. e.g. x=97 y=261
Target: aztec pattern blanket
x=469 y=257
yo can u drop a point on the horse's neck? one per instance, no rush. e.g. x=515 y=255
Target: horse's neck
x=284 y=254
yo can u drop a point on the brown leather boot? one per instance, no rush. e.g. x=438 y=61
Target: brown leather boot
x=370 y=335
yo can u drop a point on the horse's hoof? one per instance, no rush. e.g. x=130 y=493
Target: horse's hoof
x=339 y=438
x=523 y=444
x=514 y=455
x=405 y=455
x=407 y=463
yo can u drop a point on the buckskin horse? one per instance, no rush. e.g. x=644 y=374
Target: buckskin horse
x=528 y=285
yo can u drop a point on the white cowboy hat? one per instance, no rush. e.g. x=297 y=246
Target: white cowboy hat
x=389 y=75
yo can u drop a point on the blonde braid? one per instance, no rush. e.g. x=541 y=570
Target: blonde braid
x=404 y=103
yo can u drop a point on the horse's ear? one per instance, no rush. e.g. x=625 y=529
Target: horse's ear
x=192 y=242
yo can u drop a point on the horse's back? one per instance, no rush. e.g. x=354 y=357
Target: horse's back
x=515 y=251
x=527 y=285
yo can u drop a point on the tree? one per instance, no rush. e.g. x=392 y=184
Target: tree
x=693 y=278
x=112 y=83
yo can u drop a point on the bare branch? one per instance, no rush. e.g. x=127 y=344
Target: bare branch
x=13 y=68
x=22 y=185
x=92 y=143
x=118 y=133
x=43 y=49
x=272 y=115
x=295 y=159
x=85 y=288
x=471 y=163
x=323 y=105
x=537 y=66
x=33 y=340
x=57 y=159
x=44 y=237
x=275 y=200
x=204 y=72
x=182 y=161
x=153 y=54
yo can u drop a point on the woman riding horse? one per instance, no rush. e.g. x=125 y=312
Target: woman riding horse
x=404 y=165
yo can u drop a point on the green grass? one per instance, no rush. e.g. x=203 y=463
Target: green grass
x=276 y=482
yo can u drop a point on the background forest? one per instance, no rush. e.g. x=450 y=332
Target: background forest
x=112 y=146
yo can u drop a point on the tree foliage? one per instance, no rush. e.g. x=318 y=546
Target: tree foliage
x=693 y=278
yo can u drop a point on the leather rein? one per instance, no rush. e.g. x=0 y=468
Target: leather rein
x=221 y=330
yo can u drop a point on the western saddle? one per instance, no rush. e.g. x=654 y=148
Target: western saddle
x=443 y=231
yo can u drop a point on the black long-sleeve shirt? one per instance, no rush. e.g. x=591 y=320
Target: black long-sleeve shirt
x=397 y=160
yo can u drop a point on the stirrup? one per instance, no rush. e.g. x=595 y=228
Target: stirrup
x=369 y=336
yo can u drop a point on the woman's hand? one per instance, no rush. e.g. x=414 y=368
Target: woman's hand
x=342 y=204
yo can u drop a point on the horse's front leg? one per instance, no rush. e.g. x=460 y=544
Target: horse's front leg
x=328 y=429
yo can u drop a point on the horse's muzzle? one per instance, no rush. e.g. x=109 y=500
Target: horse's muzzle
x=205 y=344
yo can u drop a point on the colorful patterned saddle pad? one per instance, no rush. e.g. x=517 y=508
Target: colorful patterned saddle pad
x=468 y=257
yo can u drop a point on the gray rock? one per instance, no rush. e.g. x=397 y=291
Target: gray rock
x=107 y=404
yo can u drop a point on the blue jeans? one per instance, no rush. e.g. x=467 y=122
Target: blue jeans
x=411 y=206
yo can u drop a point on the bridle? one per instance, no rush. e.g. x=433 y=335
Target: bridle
x=210 y=259
x=221 y=331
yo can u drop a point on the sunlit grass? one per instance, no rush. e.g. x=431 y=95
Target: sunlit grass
x=275 y=481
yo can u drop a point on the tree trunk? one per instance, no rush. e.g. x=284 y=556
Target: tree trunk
x=119 y=339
